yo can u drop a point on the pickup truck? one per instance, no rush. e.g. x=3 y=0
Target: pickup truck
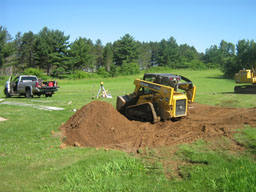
x=28 y=86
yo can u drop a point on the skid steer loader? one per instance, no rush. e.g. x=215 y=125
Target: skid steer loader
x=156 y=98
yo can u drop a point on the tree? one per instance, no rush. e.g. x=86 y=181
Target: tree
x=145 y=55
x=213 y=57
x=25 y=50
x=51 y=49
x=246 y=51
x=189 y=57
x=6 y=46
x=168 y=53
x=82 y=52
x=187 y=53
x=108 y=56
x=99 y=53
x=154 y=53
x=227 y=49
x=125 y=50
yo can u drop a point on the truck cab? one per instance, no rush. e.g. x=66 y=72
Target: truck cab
x=20 y=85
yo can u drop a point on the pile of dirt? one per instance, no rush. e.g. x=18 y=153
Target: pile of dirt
x=98 y=124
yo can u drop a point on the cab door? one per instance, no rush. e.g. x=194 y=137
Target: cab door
x=8 y=85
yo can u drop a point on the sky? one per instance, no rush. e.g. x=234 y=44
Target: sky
x=198 y=23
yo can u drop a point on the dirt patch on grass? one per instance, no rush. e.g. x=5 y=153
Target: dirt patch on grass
x=98 y=124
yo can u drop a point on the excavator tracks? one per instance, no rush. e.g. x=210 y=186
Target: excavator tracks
x=246 y=89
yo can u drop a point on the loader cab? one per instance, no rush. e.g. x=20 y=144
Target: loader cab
x=166 y=79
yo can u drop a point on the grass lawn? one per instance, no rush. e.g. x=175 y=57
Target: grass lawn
x=31 y=159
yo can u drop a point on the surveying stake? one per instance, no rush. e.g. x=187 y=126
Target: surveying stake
x=103 y=92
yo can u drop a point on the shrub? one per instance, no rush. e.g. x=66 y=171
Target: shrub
x=60 y=73
x=2 y=77
x=102 y=72
x=129 y=69
x=114 y=70
x=37 y=72
x=78 y=74
x=197 y=64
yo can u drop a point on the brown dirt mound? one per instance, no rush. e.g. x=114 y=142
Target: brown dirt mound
x=98 y=124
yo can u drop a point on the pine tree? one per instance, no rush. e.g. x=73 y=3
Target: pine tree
x=125 y=50
x=82 y=52
x=51 y=49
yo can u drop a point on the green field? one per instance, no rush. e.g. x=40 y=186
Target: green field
x=31 y=159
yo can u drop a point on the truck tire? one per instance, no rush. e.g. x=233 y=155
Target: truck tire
x=28 y=93
x=7 y=95
x=48 y=95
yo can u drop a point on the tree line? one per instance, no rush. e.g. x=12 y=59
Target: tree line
x=50 y=51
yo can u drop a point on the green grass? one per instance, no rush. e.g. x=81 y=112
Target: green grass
x=31 y=160
x=247 y=138
x=215 y=170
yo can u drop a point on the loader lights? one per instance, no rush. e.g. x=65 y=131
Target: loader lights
x=180 y=107
x=174 y=78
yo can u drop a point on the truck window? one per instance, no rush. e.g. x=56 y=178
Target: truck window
x=28 y=79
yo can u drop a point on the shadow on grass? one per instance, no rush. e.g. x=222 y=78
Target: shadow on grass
x=23 y=97
x=227 y=93
x=220 y=77
x=234 y=93
x=217 y=77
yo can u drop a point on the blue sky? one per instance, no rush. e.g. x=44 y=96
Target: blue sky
x=199 y=23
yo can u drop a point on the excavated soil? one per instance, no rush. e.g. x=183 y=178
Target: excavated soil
x=98 y=124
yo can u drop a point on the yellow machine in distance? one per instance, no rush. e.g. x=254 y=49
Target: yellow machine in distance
x=156 y=97
x=245 y=76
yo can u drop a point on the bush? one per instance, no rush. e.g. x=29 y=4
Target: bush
x=157 y=69
x=78 y=74
x=114 y=70
x=36 y=72
x=102 y=72
x=129 y=69
x=59 y=73
x=2 y=77
x=197 y=64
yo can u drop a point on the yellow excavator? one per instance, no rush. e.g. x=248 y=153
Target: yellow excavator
x=246 y=76
x=156 y=98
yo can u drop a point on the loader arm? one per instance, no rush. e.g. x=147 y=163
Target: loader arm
x=190 y=92
x=161 y=91
x=174 y=81
x=189 y=88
